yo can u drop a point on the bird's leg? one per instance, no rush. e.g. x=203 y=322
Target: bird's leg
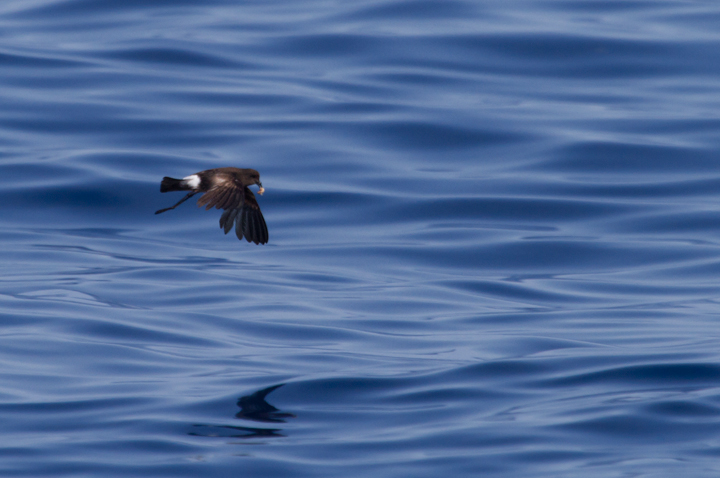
x=189 y=195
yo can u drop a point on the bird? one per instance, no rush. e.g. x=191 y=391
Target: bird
x=225 y=188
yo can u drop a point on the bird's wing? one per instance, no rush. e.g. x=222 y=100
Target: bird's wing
x=248 y=219
x=253 y=223
x=224 y=194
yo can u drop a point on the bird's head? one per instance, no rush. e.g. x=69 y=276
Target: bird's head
x=253 y=177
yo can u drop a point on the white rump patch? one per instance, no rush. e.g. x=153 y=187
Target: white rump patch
x=193 y=181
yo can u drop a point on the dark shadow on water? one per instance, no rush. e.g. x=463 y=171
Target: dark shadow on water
x=227 y=431
x=252 y=407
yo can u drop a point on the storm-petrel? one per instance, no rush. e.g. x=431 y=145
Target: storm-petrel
x=225 y=188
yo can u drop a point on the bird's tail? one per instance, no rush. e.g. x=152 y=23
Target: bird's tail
x=171 y=184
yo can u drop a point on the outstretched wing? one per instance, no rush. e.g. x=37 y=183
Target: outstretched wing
x=225 y=194
x=248 y=219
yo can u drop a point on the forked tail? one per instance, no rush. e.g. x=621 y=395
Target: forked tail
x=171 y=184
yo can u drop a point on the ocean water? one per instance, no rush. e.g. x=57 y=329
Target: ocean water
x=494 y=239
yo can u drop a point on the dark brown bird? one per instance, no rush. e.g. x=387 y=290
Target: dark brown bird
x=225 y=188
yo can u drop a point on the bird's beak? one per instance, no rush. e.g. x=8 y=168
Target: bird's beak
x=262 y=189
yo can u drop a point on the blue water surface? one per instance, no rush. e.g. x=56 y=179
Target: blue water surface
x=494 y=239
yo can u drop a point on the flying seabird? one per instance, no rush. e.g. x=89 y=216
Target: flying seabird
x=225 y=188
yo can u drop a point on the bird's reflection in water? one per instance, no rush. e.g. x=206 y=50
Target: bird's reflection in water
x=253 y=407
